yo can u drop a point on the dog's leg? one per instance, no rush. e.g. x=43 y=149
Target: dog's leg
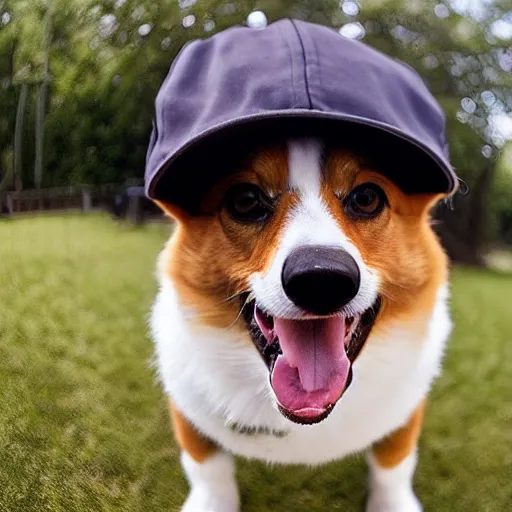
x=392 y=462
x=210 y=471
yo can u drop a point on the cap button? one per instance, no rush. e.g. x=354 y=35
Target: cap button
x=257 y=19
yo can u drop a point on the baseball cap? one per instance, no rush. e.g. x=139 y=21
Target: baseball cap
x=244 y=87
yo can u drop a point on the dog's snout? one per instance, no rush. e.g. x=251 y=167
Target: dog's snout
x=320 y=279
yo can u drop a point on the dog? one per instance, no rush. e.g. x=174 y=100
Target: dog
x=302 y=310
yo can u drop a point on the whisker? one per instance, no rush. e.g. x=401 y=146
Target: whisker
x=234 y=296
x=211 y=312
x=204 y=314
x=249 y=298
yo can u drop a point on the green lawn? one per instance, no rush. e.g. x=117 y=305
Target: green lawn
x=84 y=425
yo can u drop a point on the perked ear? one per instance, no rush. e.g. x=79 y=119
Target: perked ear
x=173 y=211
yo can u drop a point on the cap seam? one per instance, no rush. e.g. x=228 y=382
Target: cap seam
x=292 y=66
x=303 y=52
x=316 y=73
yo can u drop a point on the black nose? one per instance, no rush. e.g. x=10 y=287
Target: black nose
x=320 y=279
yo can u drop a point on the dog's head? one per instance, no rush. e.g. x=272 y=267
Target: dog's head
x=309 y=251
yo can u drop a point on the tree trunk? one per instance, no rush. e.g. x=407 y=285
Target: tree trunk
x=18 y=138
x=43 y=93
x=478 y=218
x=463 y=229
x=41 y=107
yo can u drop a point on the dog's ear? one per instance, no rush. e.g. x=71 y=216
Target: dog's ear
x=173 y=211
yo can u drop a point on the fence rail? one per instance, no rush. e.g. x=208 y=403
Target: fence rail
x=120 y=200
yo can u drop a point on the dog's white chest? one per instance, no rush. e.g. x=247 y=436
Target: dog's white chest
x=218 y=380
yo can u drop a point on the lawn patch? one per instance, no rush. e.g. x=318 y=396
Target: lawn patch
x=84 y=424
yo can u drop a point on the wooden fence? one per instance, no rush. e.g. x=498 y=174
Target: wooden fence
x=120 y=200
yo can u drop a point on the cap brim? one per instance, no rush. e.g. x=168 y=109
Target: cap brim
x=188 y=173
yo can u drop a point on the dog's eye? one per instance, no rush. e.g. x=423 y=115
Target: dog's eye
x=365 y=201
x=246 y=202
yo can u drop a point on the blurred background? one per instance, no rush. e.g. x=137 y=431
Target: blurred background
x=78 y=80
x=83 y=425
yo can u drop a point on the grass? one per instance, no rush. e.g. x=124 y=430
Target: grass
x=84 y=425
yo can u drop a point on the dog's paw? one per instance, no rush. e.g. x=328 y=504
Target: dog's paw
x=204 y=500
x=402 y=502
x=213 y=485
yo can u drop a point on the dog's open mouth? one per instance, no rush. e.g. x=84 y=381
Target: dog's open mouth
x=309 y=360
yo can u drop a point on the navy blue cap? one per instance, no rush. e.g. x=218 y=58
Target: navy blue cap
x=245 y=85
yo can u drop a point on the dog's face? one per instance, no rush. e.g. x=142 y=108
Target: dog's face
x=309 y=252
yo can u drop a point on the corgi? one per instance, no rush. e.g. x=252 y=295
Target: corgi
x=301 y=317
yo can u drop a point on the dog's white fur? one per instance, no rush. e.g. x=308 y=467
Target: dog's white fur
x=216 y=376
x=391 y=489
x=213 y=484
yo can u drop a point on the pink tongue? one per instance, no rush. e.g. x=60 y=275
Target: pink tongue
x=313 y=370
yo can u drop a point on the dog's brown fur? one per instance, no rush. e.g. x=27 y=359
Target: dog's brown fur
x=189 y=438
x=393 y=449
